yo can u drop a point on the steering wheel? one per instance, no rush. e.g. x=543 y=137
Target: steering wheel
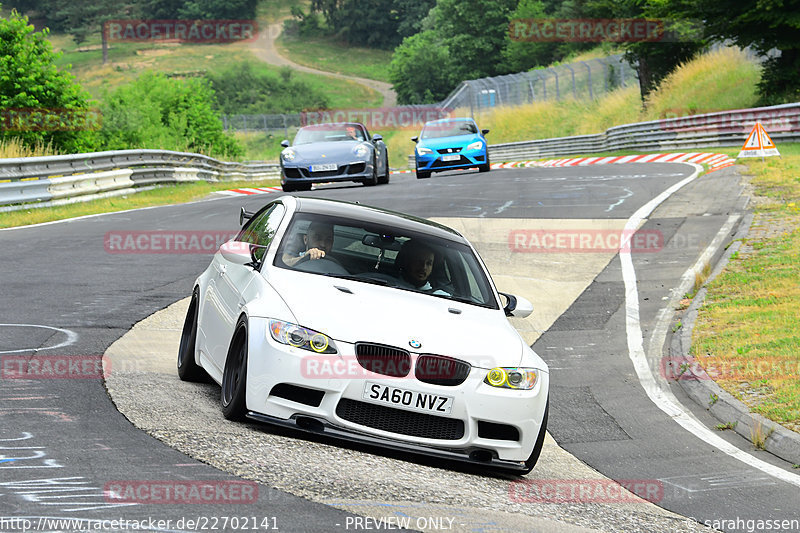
x=323 y=265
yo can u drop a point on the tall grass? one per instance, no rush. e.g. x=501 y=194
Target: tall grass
x=13 y=147
x=719 y=80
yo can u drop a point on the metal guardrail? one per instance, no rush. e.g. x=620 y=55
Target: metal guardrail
x=725 y=128
x=43 y=179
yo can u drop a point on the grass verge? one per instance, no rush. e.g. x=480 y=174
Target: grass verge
x=749 y=323
x=328 y=54
x=163 y=195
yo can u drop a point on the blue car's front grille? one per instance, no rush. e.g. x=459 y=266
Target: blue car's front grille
x=449 y=150
x=462 y=161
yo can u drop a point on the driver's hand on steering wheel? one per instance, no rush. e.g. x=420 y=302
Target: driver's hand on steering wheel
x=315 y=253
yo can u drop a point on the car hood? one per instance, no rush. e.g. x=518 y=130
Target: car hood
x=333 y=151
x=372 y=313
x=447 y=142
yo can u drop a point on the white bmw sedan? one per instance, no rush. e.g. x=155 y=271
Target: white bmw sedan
x=371 y=326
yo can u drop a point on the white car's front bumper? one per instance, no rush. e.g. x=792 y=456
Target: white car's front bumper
x=329 y=398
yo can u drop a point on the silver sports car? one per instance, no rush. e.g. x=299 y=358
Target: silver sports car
x=333 y=152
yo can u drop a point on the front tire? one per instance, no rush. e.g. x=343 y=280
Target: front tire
x=188 y=369
x=234 y=377
x=486 y=167
x=372 y=180
x=537 y=448
x=422 y=174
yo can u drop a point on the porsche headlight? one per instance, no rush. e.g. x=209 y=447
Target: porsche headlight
x=300 y=337
x=421 y=150
x=362 y=151
x=512 y=378
x=288 y=154
x=477 y=145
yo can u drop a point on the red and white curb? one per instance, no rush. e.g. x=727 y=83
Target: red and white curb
x=714 y=161
x=249 y=190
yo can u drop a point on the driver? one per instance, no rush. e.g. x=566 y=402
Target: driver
x=352 y=133
x=318 y=242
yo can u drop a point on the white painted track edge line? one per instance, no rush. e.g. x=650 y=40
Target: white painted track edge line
x=663 y=399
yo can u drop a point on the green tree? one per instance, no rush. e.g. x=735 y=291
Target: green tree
x=519 y=55
x=475 y=32
x=31 y=86
x=421 y=69
x=763 y=25
x=170 y=114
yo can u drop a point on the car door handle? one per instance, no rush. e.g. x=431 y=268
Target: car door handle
x=222 y=269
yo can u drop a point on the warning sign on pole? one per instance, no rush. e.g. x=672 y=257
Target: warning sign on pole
x=758 y=144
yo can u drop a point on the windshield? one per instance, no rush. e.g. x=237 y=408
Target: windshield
x=382 y=255
x=448 y=129
x=329 y=133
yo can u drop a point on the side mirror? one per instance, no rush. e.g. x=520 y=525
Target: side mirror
x=285 y=143
x=243 y=253
x=237 y=252
x=516 y=306
x=377 y=137
x=244 y=215
x=415 y=139
x=484 y=131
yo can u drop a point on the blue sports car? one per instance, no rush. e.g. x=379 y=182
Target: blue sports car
x=448 y=144
x=333 y=152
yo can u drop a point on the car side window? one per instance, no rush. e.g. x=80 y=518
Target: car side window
x=262 y=228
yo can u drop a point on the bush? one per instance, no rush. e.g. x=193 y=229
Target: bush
x=247 y=89
x=32 y=90
x=162 y=113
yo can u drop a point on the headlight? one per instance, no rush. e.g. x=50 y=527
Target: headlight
x=512 y=378
x=300 y=337
x=362 y=150
x=477 y=145
x=288 y=154
x=421 y=150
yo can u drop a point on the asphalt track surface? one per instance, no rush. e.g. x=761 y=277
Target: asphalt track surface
x=63 y=441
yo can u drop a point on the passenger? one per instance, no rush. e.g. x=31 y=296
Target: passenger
x=318 y=242
x=415 y=262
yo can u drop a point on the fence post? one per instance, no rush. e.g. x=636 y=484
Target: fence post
x=589 y=79
x=572 y=71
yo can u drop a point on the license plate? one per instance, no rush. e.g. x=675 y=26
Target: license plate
x=453 y=157
x=324 y=167
x=407 y=399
